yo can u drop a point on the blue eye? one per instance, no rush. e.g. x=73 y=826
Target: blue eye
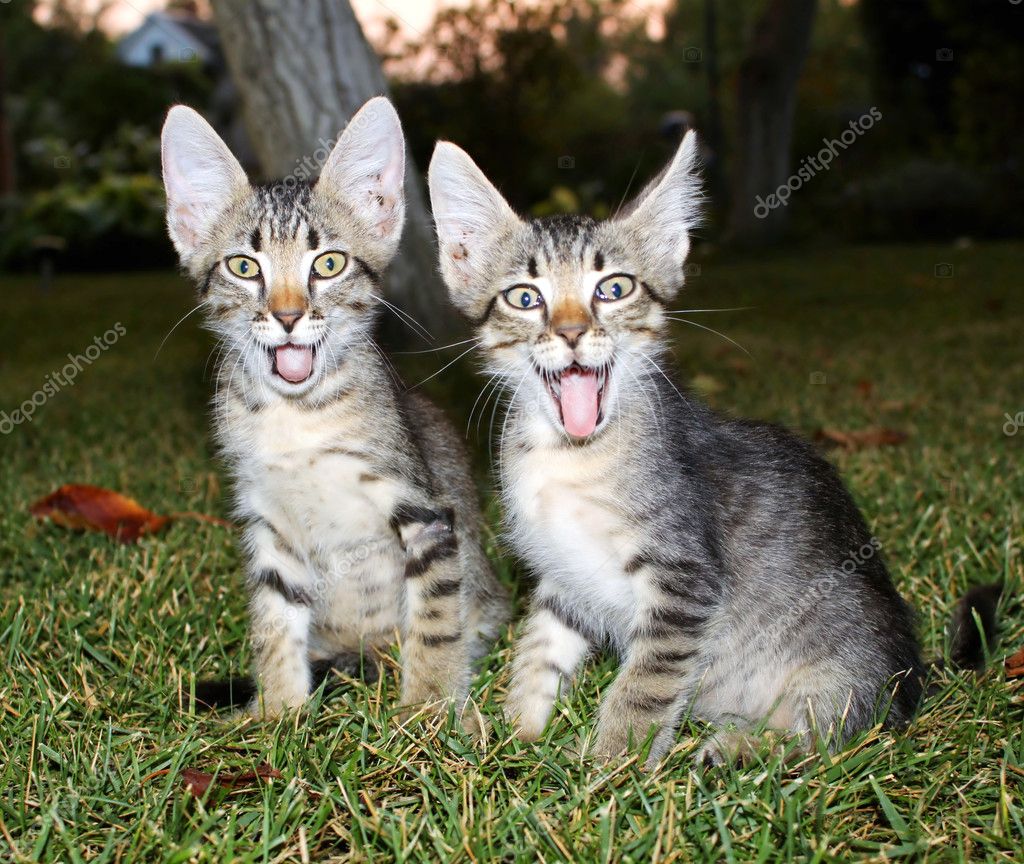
x=615 y=287
x=523 y=297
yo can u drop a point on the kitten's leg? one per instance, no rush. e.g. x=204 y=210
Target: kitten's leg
x=435 y=650
x=652 y=685
x=280 y=605
x=544 y=663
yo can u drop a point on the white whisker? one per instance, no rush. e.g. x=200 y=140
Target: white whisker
x=712 y=330
x=410 y=322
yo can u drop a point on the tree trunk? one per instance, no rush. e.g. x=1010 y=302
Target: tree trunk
x=303 y=69
x=6 y=143
x=766 y=101
x=713 y=136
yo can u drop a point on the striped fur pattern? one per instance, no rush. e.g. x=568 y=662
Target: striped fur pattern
x=361 y=516
x=723 y=561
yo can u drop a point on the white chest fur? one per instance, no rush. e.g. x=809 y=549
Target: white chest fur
x=569 y=524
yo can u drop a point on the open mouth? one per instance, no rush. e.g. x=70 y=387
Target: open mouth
x=578 y=393
x=293 y=363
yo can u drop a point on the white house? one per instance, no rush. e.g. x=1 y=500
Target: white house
x=170 y=37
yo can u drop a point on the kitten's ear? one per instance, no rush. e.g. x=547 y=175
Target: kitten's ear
x=366 y=170
x=471 y=217
x=200 y=175
x=661 y=217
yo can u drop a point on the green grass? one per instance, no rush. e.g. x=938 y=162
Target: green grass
x=96 y=638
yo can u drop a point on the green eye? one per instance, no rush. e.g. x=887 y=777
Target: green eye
x=329 y=264
x=615 y=287
x=523 y=297
x=243 y=266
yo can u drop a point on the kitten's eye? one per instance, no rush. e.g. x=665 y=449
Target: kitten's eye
x=523 y=297
x=243 y=266
x=615 y=287
x=329 y=264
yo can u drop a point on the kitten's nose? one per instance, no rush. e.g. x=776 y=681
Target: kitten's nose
x=288 y=318
x=571 y=332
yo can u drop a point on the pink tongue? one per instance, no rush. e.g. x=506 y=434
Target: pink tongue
x=294 y=362
x=579 y=402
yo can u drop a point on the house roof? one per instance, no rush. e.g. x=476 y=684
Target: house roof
x=184 y=32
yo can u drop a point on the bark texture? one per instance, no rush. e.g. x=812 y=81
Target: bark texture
x=766 y=101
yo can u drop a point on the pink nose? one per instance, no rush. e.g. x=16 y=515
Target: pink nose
x=288 y=319
x=571 y=333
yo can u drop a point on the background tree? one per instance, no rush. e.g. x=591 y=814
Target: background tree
x=303 y=69
x=766 y=102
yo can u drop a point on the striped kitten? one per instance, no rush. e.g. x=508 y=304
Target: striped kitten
x=723 y=560
x=360 y=514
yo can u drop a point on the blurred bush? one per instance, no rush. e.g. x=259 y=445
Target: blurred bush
x=924 y=199
x=105 y=206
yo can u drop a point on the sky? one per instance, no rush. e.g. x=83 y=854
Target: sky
x=412 y=15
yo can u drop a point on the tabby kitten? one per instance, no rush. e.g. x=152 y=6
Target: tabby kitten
x=723 y=560
x=360 y=513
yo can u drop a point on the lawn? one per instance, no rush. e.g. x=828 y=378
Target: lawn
x=98 y=638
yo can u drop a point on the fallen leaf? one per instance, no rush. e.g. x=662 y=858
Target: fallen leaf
x=865 y=388
x=96 y=509
x=1015 y=665
x=197 y=782
x=875 y=436
x=92 y=508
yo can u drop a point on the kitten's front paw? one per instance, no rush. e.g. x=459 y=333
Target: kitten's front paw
x=727 y=748
x=612 y=742
x=528 y=714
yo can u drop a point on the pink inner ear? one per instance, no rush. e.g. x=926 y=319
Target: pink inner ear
x=184 y=219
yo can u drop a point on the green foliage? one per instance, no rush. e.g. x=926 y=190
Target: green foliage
x=921 y=198
x=86 y=131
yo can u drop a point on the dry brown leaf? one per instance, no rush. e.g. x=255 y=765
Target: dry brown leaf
x=874 y=436
x=1015 y=665
x=92 y=508
x=197 y=782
